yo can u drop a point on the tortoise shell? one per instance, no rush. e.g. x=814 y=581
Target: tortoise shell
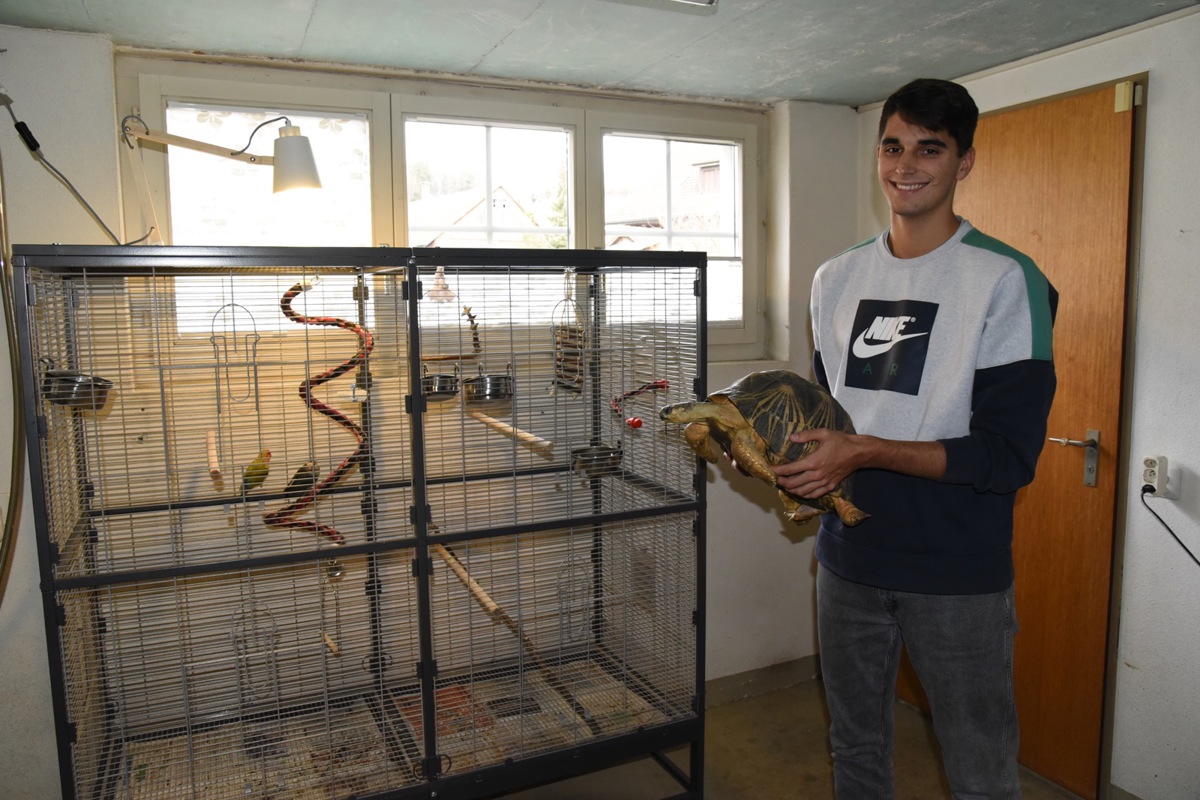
x=777 y=402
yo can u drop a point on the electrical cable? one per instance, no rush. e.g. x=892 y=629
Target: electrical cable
x=16 y=478
x=256 y=130
x=1147 y=489
x=35 y=149
x=12 y=513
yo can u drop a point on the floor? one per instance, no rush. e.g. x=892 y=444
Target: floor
x=773 y=747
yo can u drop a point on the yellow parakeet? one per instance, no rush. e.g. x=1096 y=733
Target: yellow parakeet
x=254 y=475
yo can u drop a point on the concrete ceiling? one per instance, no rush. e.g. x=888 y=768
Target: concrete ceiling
x=849 y=52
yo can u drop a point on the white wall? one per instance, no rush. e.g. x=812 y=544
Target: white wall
x=760 y=593
x=62 y=87
x=1157 y=706
x=760 y=596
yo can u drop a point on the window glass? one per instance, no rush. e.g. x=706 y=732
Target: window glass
x=472 y=184
x=221 y=201
x=676 y=194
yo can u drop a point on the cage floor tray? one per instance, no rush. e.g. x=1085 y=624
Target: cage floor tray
x=343 y=753
x=313 y=757
x=484 y=722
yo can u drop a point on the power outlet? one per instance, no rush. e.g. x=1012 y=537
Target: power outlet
x=1157 y=473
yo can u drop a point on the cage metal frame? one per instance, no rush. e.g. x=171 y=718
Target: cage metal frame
x=407 y=264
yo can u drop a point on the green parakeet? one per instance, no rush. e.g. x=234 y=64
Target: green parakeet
x=303 y=479
x=254 y=475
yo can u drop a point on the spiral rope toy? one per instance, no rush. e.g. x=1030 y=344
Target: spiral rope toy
x=285 y=517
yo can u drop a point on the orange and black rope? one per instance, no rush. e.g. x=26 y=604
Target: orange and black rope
x=286 y=516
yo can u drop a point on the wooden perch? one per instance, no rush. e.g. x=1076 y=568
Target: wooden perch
x=214 y=463
x=501 y=617
x=543 y=447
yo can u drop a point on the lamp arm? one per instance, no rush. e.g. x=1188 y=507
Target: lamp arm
x=192 y=144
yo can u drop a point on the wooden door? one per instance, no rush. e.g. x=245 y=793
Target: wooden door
x=1053 y=180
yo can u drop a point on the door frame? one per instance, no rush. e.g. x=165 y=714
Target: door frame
x=1124 y=457
x=1141 y=82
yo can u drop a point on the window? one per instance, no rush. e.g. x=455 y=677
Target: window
x=674 y=194
x=474 y=184
x=429 y=164
x=218 y=201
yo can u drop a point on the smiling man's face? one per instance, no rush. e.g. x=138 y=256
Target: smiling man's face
x=919 y=169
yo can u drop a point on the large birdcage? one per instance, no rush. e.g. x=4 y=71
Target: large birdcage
x=329 y=523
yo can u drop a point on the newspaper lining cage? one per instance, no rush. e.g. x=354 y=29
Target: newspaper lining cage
x=279 y=558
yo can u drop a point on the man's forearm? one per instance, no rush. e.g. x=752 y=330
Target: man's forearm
x=919 y=459
x=838 y=454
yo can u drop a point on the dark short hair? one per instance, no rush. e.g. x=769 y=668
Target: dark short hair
x=935 y=105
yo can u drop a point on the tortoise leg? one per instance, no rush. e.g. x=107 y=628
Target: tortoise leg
x=749 y=457
x=699 y=437
x=797 y=512
x=848 y=513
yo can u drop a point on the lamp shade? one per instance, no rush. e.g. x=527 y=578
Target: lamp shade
x=295 y=167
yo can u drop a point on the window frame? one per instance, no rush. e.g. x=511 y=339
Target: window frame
x=482 y=111
x=144 y=83
x=727 y=340
x=154 y=91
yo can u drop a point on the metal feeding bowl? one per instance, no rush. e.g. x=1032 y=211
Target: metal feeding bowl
x=74 y=390
x=488 y=388
x=596 y=461
x=439 y=385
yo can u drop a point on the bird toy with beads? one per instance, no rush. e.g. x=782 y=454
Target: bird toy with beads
x=304 y=482
x=617 y=402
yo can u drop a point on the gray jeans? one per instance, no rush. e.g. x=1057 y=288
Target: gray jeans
x=962 y=649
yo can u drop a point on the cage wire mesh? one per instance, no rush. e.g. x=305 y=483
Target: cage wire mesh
x=239 y=467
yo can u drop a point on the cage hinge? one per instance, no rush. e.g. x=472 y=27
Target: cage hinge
x=431 y=767
x=419 y=514
x=695 y=616
x=60 y=615
x=417 y=563
x=696 y=288
x=42 y=430
x=414 y=402
x=433 y=669
x=368 y=506
x=31 y=295
x=362 y=292
x=420 y=289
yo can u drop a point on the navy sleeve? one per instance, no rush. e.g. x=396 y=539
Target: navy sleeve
x=819 y=370
x=1009 y=406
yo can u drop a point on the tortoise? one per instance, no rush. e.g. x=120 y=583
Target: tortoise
x=751 y=421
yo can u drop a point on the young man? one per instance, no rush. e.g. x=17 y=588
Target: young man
x=937 y=340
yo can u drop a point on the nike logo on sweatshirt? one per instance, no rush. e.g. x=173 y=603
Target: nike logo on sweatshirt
x=882 y=335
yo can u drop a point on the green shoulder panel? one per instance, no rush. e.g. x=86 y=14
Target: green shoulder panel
x=1037 y=289
x=863 y=243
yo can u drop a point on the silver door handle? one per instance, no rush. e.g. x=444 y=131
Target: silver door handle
x=1074 y=442
x=1091 y=460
